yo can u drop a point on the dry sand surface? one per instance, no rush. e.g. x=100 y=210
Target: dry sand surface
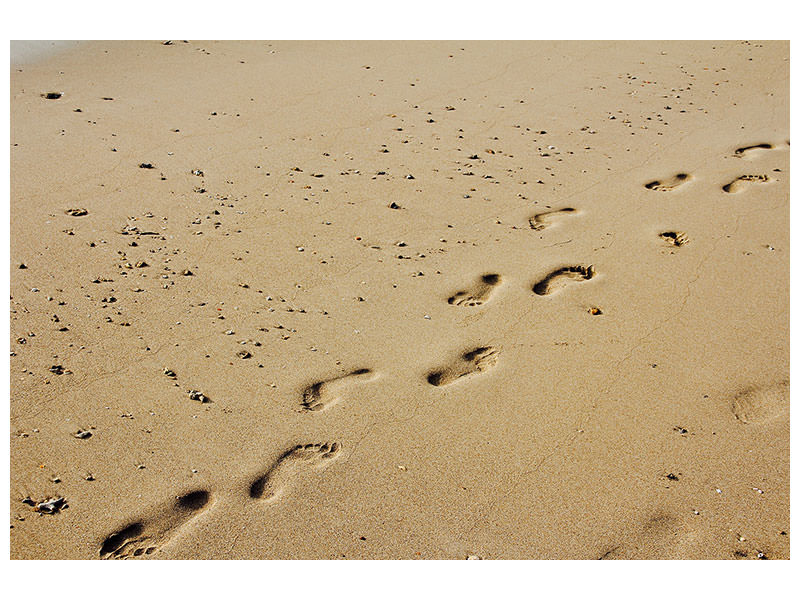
x=426 y=300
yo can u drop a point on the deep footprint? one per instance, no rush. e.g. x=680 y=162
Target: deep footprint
x=293 y=464
x=478 y=294
x=324 y=394
x=761 y=404
x=543 y=220
x=741 y=182
x=470 y=363
x=747 y=150
x=145 y=537
x=670 y=184
x=675 y=238
x=561 y=277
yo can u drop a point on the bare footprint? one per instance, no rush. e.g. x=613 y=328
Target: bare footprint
x=479 y=294
x=542 y=220
x=747 y=151
x=561 y=277
x=670 y=184
x=675 y=238
x=324 y=394
x=469 y=363
x=293 y=464
x=740 y=183
x=147 y=536
x=761 y=404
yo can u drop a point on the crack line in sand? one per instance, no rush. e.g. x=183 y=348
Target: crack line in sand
x=584 y=421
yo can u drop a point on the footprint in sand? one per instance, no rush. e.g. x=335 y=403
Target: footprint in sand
x=477 y=295
x=670 y=184
x=754 y=150
x=324 y=394
x=761 y=404
x=145 y=537
x=469 y=363
x=562 y=277
x=742 y=182
x=675 y=238
x=292 y=465
x=543 y=220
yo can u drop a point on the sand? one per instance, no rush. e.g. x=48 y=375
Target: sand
x=429 y=300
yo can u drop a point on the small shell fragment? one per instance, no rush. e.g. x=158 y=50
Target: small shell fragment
x=198 y=396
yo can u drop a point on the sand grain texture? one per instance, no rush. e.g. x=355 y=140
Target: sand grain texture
x=532 y=296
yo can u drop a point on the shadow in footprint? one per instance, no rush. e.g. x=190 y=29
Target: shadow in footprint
x=561 y=277
x=293 y=464
x=479 y=294
x=324 y=394
x=674 y=238
x=147 y=536
x=761 y=404
x=667 y=185
x=754 y=149
x=543 y=220
x=470 y=363
x=742 y=182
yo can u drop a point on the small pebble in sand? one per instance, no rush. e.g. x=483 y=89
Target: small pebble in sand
x=198 y=396
x=52 y=95
x=243 y=354
x=82 y=434
x=595 y=311
x=51 y=506
x=474 y=557
x=146 y=166
x=170 y=373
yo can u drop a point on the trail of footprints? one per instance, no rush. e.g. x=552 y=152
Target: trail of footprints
x=143 y=538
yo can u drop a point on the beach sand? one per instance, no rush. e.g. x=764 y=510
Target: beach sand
x=410 y=300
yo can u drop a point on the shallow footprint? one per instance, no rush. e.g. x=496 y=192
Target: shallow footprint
x=561 y=277
x=478 y=294
x=145 y=537
x=292 y=464
x=675 y=238
x=323 y=394
x=469 y=363
x=741 y=182
x=761 y=404
x=670 y=184
x=542 y=220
